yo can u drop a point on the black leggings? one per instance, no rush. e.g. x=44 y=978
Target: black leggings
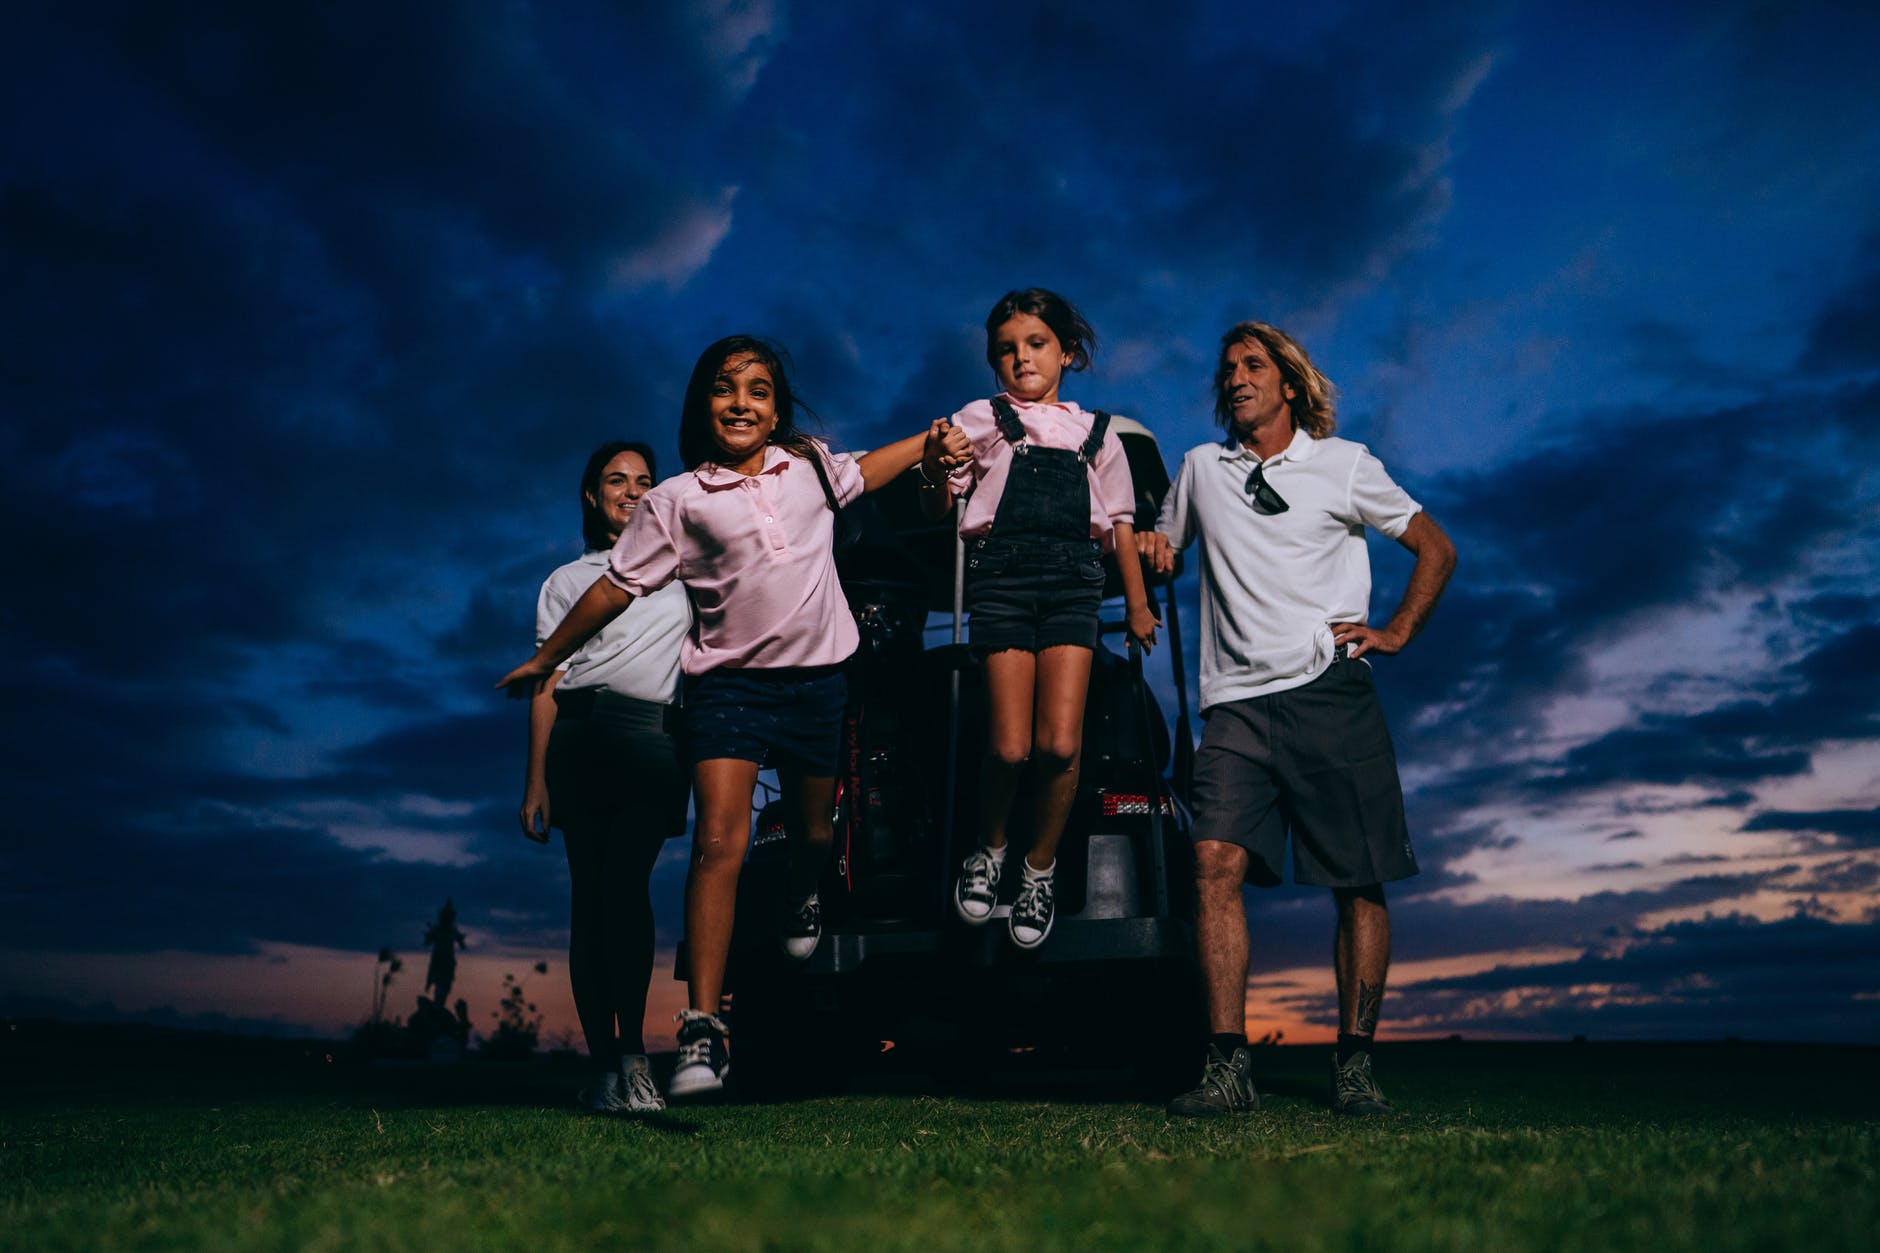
x=617 y=791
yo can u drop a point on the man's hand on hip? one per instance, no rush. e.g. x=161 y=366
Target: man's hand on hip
x=1360 y=639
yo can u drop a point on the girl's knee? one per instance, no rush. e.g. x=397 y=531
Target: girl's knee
x=1009 y=754
x=717 y=851
x=1049 y=762
x=1056 y=751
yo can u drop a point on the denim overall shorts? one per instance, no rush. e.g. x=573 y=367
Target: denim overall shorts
x=1035 y=579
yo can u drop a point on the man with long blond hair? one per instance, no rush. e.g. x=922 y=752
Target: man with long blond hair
x=1295 y=748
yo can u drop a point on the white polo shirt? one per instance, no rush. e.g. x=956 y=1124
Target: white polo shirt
x=1273 y=585
x=637 y=654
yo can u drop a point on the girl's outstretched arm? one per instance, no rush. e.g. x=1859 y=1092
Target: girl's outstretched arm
x=1141 y=619
x=885 y=464
x=600 y=604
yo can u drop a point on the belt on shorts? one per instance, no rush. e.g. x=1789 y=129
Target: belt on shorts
x=1341 y=653
x=585 y=702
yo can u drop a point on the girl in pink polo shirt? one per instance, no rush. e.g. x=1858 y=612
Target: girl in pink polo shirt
x=750 y=532
x=1047 y=491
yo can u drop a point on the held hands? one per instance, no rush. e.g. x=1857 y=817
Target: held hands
x=1360 y=639
x=1154 y=548
x=946 y=449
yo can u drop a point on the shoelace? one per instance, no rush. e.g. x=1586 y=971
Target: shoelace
x=977 y=874
x=809 y=916
x=697 y=1050
x=1034 y=899
x=1354 y=1079
x=640 y=1087
x=1220 y=1077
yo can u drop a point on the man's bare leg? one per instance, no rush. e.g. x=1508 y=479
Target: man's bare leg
x=1226 y=1085
x=1221 y=932
x=1361 y=958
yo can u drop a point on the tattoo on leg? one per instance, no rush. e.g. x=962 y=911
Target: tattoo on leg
x=1370 y=1000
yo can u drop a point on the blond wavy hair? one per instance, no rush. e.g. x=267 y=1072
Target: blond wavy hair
x=1314 y=400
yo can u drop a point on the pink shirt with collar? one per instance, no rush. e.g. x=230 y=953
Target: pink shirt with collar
x=757 y=554
x=1060 y=425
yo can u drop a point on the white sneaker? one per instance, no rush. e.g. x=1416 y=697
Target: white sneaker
x=704 y=1060
x=640 y=1095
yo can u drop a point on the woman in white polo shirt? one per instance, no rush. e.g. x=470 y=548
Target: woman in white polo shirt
x=603 y=767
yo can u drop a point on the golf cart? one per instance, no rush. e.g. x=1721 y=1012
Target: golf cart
x=1116 y=987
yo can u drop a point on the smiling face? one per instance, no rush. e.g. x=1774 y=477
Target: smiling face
x=616 y=493
x=743 y=412
x=1252 y=389
x=1028 y=359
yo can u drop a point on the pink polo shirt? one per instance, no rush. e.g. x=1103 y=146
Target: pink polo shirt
x=1061 y=425
x=757 y=554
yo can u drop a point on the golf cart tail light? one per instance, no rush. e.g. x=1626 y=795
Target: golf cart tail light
x=1124 y=804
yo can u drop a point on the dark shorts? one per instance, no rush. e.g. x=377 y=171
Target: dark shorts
x=789 y=719
x=1314 y=762
x=613 y=766
x=1032 y=595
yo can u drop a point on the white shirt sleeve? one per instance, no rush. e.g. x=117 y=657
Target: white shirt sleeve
x=1376 y=500
x=1177 y=517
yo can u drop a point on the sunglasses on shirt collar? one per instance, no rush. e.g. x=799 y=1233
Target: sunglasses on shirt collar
x=1265 y=499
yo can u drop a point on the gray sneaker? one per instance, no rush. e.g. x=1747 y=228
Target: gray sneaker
x=1354 y=1091
x=638 y=1093
x=603 y=1095
x=1226 y=1087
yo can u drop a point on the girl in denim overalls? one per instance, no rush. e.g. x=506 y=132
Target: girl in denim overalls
x=1046 y=492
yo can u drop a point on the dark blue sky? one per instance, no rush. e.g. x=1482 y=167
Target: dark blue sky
x=314 y=314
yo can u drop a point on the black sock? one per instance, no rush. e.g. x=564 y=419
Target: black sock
x=1349 y=1044
x=1228 y=1041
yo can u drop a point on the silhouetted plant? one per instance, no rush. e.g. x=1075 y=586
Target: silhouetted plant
x=388 y=965
x=518 y=1025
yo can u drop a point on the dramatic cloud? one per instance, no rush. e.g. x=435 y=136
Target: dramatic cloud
x=1800 y=978
x=1857 y=827
x=314 y=315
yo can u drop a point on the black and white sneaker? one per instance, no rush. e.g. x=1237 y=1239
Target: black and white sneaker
x=703 y=1059
x=1035 y=909
x=802 y=928
x=977 y=890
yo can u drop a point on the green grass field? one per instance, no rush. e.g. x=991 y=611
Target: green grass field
x=1593 y=1147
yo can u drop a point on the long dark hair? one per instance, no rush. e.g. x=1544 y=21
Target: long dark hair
x=1074 y=334
x=696 y=445
x=593 y=524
